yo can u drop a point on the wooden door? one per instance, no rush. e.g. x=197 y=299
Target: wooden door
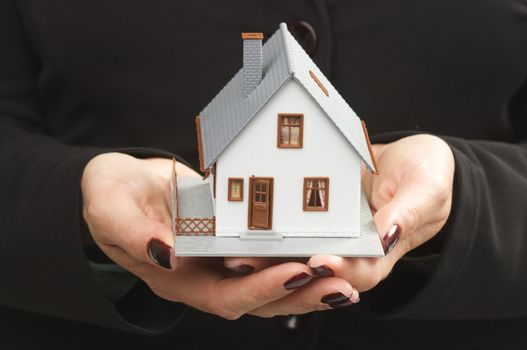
x=261 y=203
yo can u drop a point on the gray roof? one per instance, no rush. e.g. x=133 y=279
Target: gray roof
x=283 y=59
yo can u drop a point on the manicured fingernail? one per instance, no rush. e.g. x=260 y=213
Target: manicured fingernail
x=298 y=281
x=323 y=271
x=242 y=268
x=391 y=238
x=160 y=253
x=334 y=298
x=341 y=304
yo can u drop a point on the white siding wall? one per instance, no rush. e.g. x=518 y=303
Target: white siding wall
x=325 y=153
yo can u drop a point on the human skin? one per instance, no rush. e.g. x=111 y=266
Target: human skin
x=125 y=204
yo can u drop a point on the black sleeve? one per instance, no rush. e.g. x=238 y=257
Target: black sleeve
x=480 y=271
x=42 y=264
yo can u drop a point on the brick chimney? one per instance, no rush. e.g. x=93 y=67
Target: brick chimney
x=252 y=61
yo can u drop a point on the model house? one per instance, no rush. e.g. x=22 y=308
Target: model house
x=281 y=150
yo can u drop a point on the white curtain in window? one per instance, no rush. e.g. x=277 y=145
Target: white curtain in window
x=284 y=135
x=315 y=193
x=309 y=193
x=322 y=193
x=295 y=135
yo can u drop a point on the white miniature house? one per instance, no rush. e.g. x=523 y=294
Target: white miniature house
x=282 y=151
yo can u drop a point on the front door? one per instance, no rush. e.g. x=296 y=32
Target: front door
x=261 y=203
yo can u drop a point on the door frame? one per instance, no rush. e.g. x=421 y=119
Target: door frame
x=271 y=200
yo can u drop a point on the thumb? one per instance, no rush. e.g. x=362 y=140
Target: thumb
x=149 y=241
x=144 y=239
x=415 y=207
x=160 y=245
x=392 y=219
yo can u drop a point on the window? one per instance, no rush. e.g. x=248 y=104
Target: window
x=290 y=130
x=316 y=193
x=260 y=192
x=235 y=189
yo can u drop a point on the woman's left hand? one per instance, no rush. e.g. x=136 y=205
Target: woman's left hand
x=411 y=199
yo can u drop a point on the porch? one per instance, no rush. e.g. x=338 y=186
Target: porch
x=192 y=206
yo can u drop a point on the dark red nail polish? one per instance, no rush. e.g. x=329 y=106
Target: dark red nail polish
x=342 y=304
x=242 y=268
x=334 y=298
x=159 y=252
x=391 y=238
x=323 y=271
x=298 y=281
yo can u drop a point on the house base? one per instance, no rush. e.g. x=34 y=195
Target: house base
x=368 y=245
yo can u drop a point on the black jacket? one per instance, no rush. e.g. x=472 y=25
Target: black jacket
x=78 y=78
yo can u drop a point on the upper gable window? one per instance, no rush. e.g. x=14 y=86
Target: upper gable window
x=290 y=130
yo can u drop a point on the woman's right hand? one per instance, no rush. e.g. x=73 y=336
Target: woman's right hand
x=126 y=206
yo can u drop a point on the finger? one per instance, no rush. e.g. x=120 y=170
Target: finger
x=415 y=206
x=362 y=273
x=195 y=274
x=250 y=264
x=226 y=297
x=235 y=296
x=393 y=218
x=321 y=294
x=415 y=198
x=120 y=222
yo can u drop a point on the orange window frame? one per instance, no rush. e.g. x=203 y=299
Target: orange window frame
x=281 y=123
x=233 y=180
x=325 y=207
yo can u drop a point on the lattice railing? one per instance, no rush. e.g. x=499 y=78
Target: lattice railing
x=196 y=226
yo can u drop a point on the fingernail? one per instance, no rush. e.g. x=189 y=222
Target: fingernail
x=323 y=271
x=298 y=281
x=159 y=252
x=341 y=304
x=242 y=268
x=334 y=298
x=391 y=238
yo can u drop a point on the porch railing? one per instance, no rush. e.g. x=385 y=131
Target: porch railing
x=196 y=226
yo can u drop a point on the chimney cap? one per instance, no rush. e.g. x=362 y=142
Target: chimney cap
x=252 y=36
